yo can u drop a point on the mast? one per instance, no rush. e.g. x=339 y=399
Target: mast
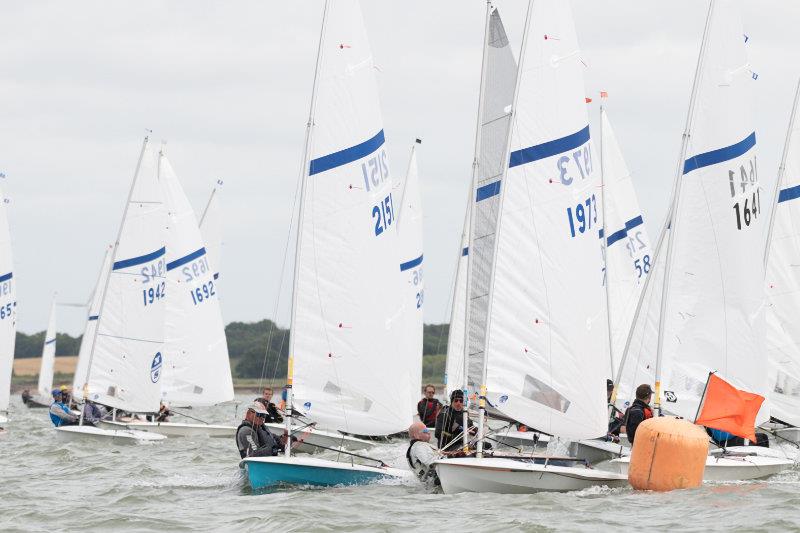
x=503 y=189
x=471 y=199
x=405 y=182
x=304 y=171
x=781 y=172
x=605 y=244
x=108 y=278
x=208 y=204
x=675 y=209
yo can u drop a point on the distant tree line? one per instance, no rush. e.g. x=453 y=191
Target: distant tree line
x=247 y=346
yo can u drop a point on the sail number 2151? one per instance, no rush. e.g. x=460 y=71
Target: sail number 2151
x=383 y=214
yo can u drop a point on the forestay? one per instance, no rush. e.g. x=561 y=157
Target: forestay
x=783 y=284
x=211 y=229
x=491 y=144
x=126 y=359
x=714 y=310
x=8 y=307
x=454 y=365
x=545 y=367
x=45 y=385
x=628 y=255
x=349 y=370
x=409 y=229
x=197 y=369
x=84 y=354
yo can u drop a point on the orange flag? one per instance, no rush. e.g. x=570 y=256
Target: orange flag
x=727 y=408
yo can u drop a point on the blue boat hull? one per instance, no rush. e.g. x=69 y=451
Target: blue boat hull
x=266 y=475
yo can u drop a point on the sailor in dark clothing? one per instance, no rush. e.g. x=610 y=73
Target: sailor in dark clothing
x=26 y=396
x=252 y=439
x=616 y=417
x=449 y=423
x=273 y=415
x=428 y=407
x=639 y=411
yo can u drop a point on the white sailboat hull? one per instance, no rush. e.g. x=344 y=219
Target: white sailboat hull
x=266 y=472
x=515 y=476
x=115 y=436
x=3 y=419
x=320 y=437
x=173 y=429
x=741 y=463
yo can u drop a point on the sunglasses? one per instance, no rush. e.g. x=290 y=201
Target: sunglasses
x=458 y=400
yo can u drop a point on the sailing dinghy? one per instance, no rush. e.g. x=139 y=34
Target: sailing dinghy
x=535 y=312
x=347 y=369
x=44 y=387
x=8 y=311
x=124 y=361
x=196 y=371
x=711 y=312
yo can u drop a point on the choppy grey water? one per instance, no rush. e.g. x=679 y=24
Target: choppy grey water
x=196 y=485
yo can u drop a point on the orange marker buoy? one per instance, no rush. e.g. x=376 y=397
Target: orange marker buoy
x=668 y=453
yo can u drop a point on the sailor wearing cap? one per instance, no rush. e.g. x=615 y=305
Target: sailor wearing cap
x=252 y=438
x=639 y=411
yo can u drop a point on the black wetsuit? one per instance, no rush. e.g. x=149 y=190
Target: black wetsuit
x=256 y=441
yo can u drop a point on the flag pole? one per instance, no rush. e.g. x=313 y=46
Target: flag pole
x=702 y=398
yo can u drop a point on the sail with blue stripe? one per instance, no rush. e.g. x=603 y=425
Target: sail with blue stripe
x=629 y=257
x=197 y=369
x=8 y=307
x=546 y=324
x=124 y=360
x=783 y=282
x=351 y=371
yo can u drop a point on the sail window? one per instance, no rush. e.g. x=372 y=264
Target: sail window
x=541 y=392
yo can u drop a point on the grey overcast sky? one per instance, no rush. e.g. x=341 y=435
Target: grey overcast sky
x=227 y=84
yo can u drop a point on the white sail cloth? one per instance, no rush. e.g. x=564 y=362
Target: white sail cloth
x=783 y=287
x=197 y=368
x=45 y=384
x=87 y=341
x=499 y=79
x=714 y=312
x=126 y=360
x=8 y=307
x=349 y=371
x=409 y=229
x=546 y=316
x=629 y=257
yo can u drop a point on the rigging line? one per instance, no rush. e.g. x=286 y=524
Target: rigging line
x=278 y=299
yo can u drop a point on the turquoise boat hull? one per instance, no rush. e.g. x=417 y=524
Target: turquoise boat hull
x=264 y=475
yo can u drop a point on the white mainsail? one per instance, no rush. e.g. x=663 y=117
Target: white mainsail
x=347 y=317
x=783 y=283
x=197 y=368
x=84 y=354
x=8 y=308
x=409 y=229
x=628 y=255
x=45 y=385
x=546 y=315
x=211 y=228
x=454 y=364
x=499 y=74
x=712 y=316
x=125 y=362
